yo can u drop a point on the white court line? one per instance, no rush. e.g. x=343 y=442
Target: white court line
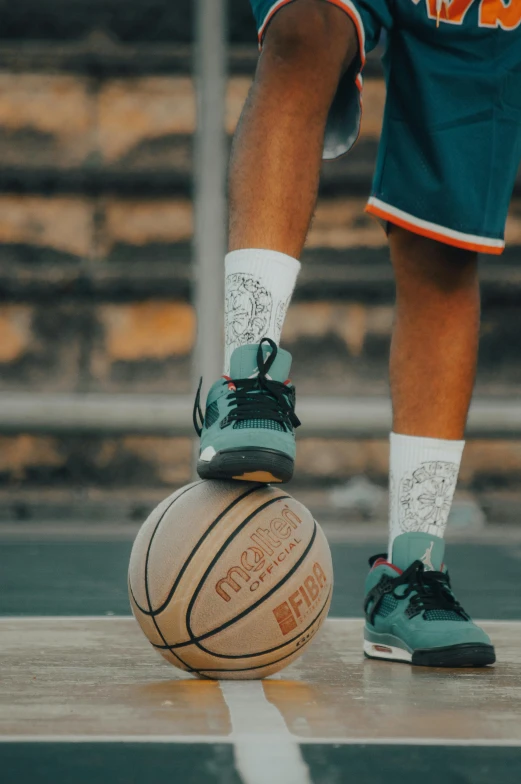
x=334 y=619
x=227 y=739
x=493 y=622
x=259 y=734
x=259 y=731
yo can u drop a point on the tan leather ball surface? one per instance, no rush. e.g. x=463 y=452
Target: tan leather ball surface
x=230 y=579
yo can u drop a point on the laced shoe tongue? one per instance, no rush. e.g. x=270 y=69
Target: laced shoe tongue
x=243 y=363
x=418 y=547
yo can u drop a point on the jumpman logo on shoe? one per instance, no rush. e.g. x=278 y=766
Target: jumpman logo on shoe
x=423 y=623
x=426 y=559
x=256 y=373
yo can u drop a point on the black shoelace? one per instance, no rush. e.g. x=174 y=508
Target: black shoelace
x=432 y=591
x=276 y=404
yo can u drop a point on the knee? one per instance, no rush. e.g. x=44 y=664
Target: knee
x=311 y=32
x=422 y=263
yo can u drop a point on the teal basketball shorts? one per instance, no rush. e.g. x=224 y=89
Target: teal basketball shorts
x=450 y=146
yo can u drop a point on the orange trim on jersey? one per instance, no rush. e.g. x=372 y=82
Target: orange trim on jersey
x=270 y=16
x=349 y=9
x=339 y=4
x=432 y=235
x=344 y=6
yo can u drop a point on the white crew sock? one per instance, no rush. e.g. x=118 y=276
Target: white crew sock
x=258 y=289
x=422 y=478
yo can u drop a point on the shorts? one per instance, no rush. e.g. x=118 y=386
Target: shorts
x=450 y=146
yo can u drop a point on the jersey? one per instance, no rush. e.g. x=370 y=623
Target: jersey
x=450 y=146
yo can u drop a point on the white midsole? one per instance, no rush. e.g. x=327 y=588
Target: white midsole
x=207 y=454
x=380 y=651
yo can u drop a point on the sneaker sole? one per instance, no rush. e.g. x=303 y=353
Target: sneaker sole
x=248 y=465
x=464 y=655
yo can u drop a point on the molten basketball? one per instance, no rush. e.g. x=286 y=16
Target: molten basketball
x=230 y=579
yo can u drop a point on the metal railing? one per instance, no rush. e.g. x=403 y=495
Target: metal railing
x=164 y=415
x=210 y=186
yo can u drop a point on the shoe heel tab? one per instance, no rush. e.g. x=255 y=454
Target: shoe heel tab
x=381 y=560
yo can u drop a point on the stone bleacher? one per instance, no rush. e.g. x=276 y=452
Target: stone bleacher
x=97 y=115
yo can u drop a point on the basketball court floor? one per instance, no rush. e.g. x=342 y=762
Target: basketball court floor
x=84 y=698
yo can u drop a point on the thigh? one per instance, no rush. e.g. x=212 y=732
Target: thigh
x=369 y=18
x=368 y=15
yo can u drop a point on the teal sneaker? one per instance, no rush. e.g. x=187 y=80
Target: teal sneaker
x=412 y=614
x=248 y=430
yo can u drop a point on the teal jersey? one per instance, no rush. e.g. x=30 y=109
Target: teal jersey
x=451 y=139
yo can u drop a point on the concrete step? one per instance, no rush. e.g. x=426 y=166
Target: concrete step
x=96 y=296
x=51 y=466
x=102 y=56
x=128 y=21
x=120 y=37
x=61 y=133
x=69 y=512
x=142 y=466
x=146 y=347
x=124 y=34
x=116 y=249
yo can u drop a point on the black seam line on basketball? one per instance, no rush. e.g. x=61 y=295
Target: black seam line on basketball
x=134 y=598
x=219 y=517
x=195 y=640
x=172 y=502
x=248 y=492
x=147 y=591
x=188 y=561
x=269 y=650
x=248 y=669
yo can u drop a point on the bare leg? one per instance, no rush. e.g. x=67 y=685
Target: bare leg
x=435 y=337
x=276 y=154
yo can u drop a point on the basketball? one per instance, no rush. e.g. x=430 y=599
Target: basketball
x=230 y=579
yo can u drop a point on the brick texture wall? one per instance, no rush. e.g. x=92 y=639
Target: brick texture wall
x=97 y=114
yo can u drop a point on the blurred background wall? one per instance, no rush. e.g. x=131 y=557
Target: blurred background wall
x=97 y=116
